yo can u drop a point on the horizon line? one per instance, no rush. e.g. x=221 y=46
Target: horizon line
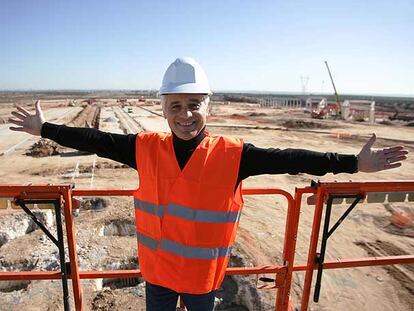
x=217 y=91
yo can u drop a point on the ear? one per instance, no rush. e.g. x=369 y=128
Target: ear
x=163 y=100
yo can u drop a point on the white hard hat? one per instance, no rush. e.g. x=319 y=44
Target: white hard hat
x=185 y=75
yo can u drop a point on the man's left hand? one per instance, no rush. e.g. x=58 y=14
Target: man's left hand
x=374 y=160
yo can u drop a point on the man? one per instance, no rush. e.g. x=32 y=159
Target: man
x=189 y=200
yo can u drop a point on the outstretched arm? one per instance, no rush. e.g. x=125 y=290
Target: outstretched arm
x=117 y=147
x=374 y=160
x=257 y=161
x=26 y=122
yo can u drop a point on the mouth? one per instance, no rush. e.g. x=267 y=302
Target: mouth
x=186 y=124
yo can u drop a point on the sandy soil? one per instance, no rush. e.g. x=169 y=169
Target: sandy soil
x=366 y=232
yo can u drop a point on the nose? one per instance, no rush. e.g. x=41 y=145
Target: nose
x=186 y=113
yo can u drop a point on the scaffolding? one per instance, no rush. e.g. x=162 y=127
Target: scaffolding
x=324 y=195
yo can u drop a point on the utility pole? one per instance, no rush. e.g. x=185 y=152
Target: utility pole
x=304 y=81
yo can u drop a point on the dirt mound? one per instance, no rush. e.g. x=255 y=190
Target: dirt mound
x=304 y=124
x=43 y=148
x=237 y=116
x=83 y=169
x=111 y=119
x=94 y=203
x=257 y=114
x=131 y=298
x=104 y=300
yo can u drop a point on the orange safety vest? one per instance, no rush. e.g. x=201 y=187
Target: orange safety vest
x=186 y=220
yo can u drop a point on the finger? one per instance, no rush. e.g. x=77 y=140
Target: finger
x=397 y=159
x=18 y=129
x=18 y=115
x=392 y=149
x=17 y=122
x=390 y=166
x=23 y=111
x=371 y=141
x=396 y=154
x=37 y=106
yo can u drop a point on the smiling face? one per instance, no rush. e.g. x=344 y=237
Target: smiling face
x=186 y=114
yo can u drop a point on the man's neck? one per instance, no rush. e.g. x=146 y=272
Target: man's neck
x=191 y=142
x=183 y=149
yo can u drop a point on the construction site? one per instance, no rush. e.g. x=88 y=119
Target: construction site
x=278 y=245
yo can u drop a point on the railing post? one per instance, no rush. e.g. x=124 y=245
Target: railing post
x=71 y=239
x=289 y=249
x=312 y=249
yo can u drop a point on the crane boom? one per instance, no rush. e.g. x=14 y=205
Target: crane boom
x=333 y=84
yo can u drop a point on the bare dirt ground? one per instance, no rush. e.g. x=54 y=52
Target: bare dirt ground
x=106 y=238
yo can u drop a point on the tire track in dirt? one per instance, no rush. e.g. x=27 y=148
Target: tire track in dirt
x=403 y=274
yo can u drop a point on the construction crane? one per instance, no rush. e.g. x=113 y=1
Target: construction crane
x=338 y=103
x=328 y=108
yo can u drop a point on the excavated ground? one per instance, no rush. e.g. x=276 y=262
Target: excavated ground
x=105 y=226
x=87 y=117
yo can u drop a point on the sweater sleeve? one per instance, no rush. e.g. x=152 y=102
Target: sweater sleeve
x=117 y=147
x=257 y=161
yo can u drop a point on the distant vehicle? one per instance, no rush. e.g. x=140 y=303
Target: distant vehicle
x=129 y=110
x=325 y=109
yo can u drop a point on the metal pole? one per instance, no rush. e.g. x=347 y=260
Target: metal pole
x=61 y=247
x=323 y=248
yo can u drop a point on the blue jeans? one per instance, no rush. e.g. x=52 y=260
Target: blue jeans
x=160 y=298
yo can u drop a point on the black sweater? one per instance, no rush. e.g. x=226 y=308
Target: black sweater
x=254 y=160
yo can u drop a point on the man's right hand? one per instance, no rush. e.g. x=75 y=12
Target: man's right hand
x=29 y=123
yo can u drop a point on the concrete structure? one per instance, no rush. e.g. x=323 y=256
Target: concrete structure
x=358 y=109
x=278 y=102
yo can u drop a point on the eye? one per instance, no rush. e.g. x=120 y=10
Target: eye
x=194 y=106
x=175 y=107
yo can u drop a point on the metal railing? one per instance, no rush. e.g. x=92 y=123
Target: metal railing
x=62 y=197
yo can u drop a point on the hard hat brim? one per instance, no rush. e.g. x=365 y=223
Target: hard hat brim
x=187 y=88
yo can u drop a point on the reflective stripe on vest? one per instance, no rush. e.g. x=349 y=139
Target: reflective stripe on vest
x=187 y=212
x=183 y=250
x=147 y=241
x=148 y=207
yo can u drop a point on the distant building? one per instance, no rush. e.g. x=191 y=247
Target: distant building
x=358 y=110
x=277 y=102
